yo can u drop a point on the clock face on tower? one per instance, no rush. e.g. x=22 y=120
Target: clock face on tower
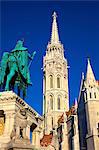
x=58 y=67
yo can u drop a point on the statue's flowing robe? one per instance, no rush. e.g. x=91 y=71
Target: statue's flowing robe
x=3 y=66
x=22 y=62
x=12 y=62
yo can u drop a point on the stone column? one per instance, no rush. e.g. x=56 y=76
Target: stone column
x=12 y=121
x=65 y=144
x=17 y=132
x=36 y=138
x=9 y=121
x=33 y=138
x=7 y=124
x=76 y=134
x=28 y=131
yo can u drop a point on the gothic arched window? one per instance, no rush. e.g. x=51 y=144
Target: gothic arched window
x=52 y=122
x=58 y=82
x=95 y=94
x=51 y=102
x=58 y=102
x=51 y=81
x=90 y=95
x=85 y=94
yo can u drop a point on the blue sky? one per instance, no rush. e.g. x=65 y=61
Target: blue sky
x=78 y=24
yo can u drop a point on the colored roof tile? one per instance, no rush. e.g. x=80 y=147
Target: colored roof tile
x=68 y=114
x=46 y=140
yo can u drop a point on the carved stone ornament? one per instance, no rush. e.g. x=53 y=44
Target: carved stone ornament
x=58 y=67
x=21 y=118
x=19 y=129
x=1 y=126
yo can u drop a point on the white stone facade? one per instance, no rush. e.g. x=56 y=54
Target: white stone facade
x=77 y=128
x=56 y=94
x=88 y=110
x=10 y=105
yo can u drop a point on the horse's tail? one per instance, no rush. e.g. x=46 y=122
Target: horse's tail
x=3 y=66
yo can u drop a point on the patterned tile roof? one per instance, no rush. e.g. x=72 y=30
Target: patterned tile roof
x=46 y=140
x=97 y=82
x=68 y=114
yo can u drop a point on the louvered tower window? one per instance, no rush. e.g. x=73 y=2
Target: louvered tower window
x=51 y=81
x=51 y=102
x=58 y=102
x=58 y=82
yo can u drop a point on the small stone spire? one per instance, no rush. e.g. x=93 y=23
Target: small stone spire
x=75 y=103
x=89 y=74
x=54 y=35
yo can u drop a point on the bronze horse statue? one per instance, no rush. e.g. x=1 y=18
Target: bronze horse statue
x=14 y=68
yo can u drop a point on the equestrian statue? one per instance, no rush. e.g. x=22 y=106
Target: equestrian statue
x=14 y=69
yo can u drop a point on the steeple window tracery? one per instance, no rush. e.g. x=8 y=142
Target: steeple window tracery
x=52 y=122
x=85 y=94
x=58 y=82
x=58 y=102
x=51 y=81
x=90 y=95
x=51 y=102
x=95 y=94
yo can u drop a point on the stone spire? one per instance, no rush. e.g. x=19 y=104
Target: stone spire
x=89 y=74
x=54 y=35
x=75 y=103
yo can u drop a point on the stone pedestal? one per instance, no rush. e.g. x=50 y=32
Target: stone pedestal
x=18 y=145
x=36 y=138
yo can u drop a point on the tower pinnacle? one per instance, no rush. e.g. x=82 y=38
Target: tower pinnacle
x=90 y=74
x=54 y=35
x=54 y=15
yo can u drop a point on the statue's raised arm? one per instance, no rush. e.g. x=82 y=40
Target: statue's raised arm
x=31 y=57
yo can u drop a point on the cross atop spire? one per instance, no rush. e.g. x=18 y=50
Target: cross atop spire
x=54 y=35
x=89 y=74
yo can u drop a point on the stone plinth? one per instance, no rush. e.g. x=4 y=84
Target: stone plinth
x=20 y=145
x=17 y=119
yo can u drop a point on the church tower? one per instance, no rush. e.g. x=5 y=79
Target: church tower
x=55 y=80
x=92 y=109
x=88 y=111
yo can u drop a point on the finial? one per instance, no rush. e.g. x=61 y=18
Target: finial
x=54 y=15
x=75 y=101
x=88 y=59
x=82 y=75
x=54 y=35
x=89 y=74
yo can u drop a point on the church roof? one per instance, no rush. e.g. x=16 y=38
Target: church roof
x=89 y=74
x=46 y=140
x=97 y=82
x=68 y=114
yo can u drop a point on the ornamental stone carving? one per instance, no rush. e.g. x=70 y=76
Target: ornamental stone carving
x=21 y=119
x=19 y=129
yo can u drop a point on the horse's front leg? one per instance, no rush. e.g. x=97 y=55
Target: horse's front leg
x=9 y=77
